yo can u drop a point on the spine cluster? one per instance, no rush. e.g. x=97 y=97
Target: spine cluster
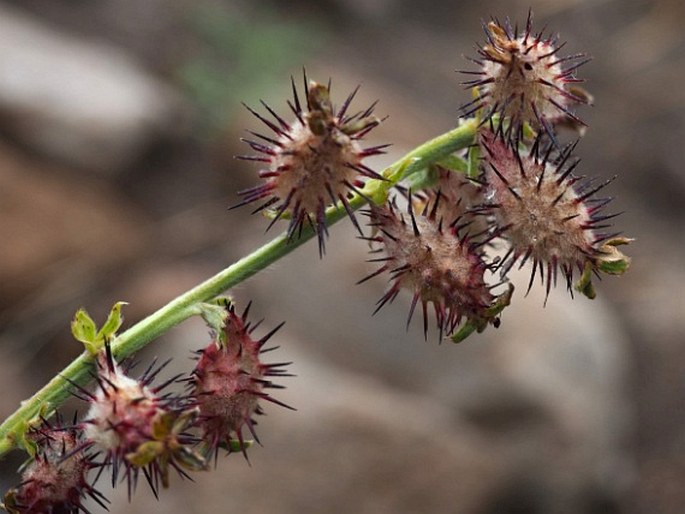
x=312 y=162
x=136 y=428
x=513 y=198
x=426 y=255
x=229 y=381
x=523 y=77
x=55 y=480
x=133 y=429
x=545 y=213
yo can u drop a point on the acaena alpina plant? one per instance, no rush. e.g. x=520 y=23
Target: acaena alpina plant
x=546 y=214
x=136 y=428
x=55 y=479
x=428 y=256
x=523 y=78
x=312 y=162
x=447 y=222
x=454 y=196
x=229 y=381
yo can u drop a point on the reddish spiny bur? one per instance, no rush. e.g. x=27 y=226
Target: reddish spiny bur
x=312 y=162
x=546 y=214
x=55 y=480
x=228 y=382
x=522 y=78
x=431 y=260
x=136 y=427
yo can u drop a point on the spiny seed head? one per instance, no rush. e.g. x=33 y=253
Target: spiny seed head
x=55 y=479
x=228 y=382
x=313 y=161
x=522 y=78
x=433 y=262
x=136 y=428
x=545 y=213
x=455 y=197
x=121 y=413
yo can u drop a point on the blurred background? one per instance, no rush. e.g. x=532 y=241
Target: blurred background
x=118 y=125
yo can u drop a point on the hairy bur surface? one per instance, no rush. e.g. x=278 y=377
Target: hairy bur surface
x=138 y=429
x=120 y=417
x=545 y=213
x=433 y=262
x=456 y=197
x=313 y=162
x=229 y=380
x=122 y=411
x=522 y=78
x=55 y=480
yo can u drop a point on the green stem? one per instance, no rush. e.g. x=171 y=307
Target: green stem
x=184 y=306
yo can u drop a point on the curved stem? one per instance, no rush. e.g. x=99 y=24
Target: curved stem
x=182 y=307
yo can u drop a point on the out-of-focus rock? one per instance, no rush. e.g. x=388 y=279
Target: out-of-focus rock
x=85 y=103
x=59 y=229
x=551 y=390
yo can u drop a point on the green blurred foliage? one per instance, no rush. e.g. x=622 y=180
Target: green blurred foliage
x=240 y=55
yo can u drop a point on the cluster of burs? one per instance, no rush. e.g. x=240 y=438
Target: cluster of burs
x=448 y=234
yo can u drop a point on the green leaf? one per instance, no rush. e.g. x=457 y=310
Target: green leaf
x=234 y=445
x=490 y=317
x=378 y=192
x=454 y=163
x=20 y=436
x=403 y=169
x=422 y=179
x=21 y=432
x=113 y=323
x=190 y=459
x=584 y=284
x=214 y=314
x=185 y=420
x=464 y=331
x=428 y=177
x=161 y=425
x=587 y=288
x=614 y=267
x=612 y=260
x=528 y=132
x=145 y=453
x=83 y=328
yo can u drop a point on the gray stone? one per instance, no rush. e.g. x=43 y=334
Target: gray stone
x=83 y=102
